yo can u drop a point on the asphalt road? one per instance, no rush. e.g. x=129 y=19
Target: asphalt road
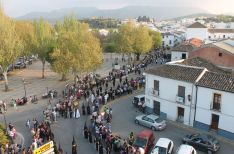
x=123 y=123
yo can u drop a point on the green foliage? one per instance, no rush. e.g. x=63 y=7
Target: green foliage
x=10 y=45
x=157 y=39
x=101 y=23
x=76 y=48
x=3 y=139
x=220 y=18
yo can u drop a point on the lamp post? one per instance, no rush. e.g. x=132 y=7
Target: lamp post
x=24 y=87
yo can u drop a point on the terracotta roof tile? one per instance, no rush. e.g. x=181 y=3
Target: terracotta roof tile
x=200 y=62
x=223 y=82
x=176 y=72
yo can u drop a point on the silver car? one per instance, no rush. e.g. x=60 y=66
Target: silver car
x=151 y=121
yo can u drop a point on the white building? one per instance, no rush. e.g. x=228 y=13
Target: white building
x=219 y=34
x=196 y=30
x=168 y=39
x=214 y=109
x=170 y=91
x=181 y=52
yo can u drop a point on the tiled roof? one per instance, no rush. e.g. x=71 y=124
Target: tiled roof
x=197 y=25
x=200 y=62
x=196 y=42
x=177 y=72
x=223 y=82
x=184 y=48
x=221 y=30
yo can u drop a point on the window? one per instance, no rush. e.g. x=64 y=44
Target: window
x=209 y=37
x=224 y=36
x=156 y=85
x=220 y=54
x=169 y=41
x=216 y=102
x=181 y=91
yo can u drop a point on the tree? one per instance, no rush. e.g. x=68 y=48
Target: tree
x=125 y=38
x=143 y=41
x=10 y=45
x=76 y=48
x=157 y=39
x=44 y=41
x=26 y=33
x=134 y=39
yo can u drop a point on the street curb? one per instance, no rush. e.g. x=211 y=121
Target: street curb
x=120 y=98
x=193 y=130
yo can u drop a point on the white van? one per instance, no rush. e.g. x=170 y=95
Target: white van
x=137 y=99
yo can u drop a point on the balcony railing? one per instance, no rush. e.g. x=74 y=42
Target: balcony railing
x=180 y=99
x=215 y=106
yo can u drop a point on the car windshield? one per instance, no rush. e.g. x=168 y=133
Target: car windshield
x=140 y=142
x=160 y=150
x=159 y=120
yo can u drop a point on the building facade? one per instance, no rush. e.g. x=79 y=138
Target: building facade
x=215 y=95
x=170 y=94
x=196 y=30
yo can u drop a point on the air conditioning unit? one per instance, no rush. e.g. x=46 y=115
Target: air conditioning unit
x=155 y=92
x=180 y=99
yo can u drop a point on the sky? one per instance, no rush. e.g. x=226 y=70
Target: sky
x=16 y=8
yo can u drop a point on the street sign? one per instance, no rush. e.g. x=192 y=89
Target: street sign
x=44 y=148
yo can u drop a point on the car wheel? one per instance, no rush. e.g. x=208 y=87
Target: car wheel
x=136 y=121
x=153 y=128
x=209 y=152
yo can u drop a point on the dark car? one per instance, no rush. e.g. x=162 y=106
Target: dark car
x=202 y=142
x=20 y=65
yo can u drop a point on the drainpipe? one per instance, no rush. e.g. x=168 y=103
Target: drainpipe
x=195 y=105
x=191 y=101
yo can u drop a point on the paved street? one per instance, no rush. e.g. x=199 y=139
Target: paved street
x=123 y=113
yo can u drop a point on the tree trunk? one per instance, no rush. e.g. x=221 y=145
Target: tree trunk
x=6 y=80
x=138 y=56
x=43 y=69
x=63 y=77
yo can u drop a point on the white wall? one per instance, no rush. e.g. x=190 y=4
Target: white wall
x=204 y=100
x=167 y=39
x=219 y=36
x=200 y=33
x=168 y=90
x=177 y=55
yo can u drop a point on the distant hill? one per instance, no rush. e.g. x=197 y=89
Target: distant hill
x=122 y=13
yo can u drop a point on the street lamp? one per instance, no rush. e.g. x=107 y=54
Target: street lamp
x=24 y=87
x=5 y=122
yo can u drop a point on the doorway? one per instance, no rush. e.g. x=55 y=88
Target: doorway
x=157 y=108
x=214 y=122
x=183 y=56
x=180 y=114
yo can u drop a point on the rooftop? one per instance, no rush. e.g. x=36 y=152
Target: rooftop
x=200 y=62
x=177 y=72
x=184 y=48
x=196 y=42
x=197 y=25
x=223 y=82
x=227 y=45
x=214 y=30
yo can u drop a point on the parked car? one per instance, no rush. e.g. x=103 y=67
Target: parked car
x=10 y=68
x=151 y=121
x=186 y=149
x=203 y=142
x=163 y=146
x=20 y=65
x=145 y=140
x=1 y=77
x=137 y=99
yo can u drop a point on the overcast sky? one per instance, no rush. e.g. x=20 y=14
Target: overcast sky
x=16 y=8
